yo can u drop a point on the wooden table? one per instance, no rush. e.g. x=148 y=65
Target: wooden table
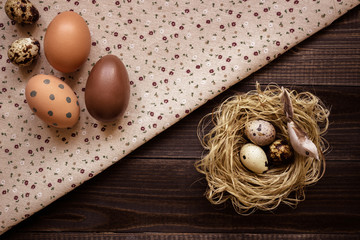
x=156 y=193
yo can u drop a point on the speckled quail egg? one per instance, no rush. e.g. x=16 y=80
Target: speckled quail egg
x=21 y=11
x=24 y=51
x=260 y=132
x=254 y=158
x=279 y=153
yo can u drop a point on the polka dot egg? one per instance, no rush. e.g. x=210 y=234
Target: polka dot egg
x=53 y=101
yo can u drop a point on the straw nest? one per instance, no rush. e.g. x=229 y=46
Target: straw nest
x=222 y=136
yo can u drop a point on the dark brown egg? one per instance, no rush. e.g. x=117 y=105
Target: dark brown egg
x=279 y=153
x=107 y=90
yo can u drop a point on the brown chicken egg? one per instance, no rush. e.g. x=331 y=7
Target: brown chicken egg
x=107 y=90
x=67 y=42
x=52 y=100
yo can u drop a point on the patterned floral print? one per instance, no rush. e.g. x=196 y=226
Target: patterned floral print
x=178 y=54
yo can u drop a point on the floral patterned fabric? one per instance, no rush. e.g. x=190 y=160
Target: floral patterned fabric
x=178 y=54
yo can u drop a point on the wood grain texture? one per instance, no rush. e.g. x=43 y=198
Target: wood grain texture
x=155 y=192
x=185 y=236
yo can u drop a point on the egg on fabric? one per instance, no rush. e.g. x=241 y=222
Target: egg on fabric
x=260 y=132
x=24 y=51
x=21 y=11
x=67 y=42
x=107 y=89
x=254 y=158
x=52 y=100
x=279 y=153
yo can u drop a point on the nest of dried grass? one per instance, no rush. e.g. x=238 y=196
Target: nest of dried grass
x=228 y=179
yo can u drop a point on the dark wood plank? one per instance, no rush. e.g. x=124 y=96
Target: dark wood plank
x=183 y=236
x=166 y=195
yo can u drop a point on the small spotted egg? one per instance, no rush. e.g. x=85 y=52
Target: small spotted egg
x=260 y=132
x=53 y=101
x=21 y=11
x=24 y=51
x=279 y=153
x=254 y=158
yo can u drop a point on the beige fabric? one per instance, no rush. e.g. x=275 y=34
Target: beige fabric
x=178 y=55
